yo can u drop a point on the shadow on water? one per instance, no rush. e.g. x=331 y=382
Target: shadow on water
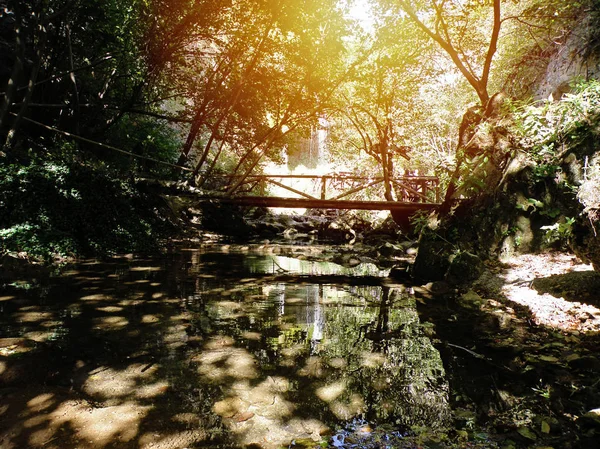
x=234 y=346
x=205 y=349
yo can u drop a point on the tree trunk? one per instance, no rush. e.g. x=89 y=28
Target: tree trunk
x=15 y=76
x=387 y=166
x=40 y=37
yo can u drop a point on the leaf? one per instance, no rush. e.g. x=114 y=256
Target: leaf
x=545 y=427
x=549 y=358
x=526 y=432
x=572 y=358
x=535 y=203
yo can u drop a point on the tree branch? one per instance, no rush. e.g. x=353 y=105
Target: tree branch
x=98 y=61
x=446 y=45
x=493 y=44
x=73 y=81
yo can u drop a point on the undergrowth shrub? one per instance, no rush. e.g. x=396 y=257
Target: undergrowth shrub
x=147 y=138
x=68 y=208
x=552 y=129
x=548 y=130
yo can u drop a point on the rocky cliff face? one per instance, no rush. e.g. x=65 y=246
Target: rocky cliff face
x=578 y=57
x=520 y=207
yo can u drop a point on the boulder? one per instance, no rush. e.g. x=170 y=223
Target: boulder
x=337 y=232
x=470 y=300
x=433 y=259
x=390 y=250
x=19 y=264
x=464 y=268
x=438 y=288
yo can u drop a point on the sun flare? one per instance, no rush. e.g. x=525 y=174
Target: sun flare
x=361 y=11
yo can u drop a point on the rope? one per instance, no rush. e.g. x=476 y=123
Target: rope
x=103 y=145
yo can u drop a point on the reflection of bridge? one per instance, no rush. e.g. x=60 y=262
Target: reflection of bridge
x=413 y=193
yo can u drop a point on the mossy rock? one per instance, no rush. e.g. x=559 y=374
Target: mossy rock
x=464 y=268
x=433 y=259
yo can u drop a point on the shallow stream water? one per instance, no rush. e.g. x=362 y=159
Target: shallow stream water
x=222 y=346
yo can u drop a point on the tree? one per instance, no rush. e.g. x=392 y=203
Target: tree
x=76 y=66
x=267 y=70
x=485 y=42
x=373 y=108
x=457 y=28
x=376 y=108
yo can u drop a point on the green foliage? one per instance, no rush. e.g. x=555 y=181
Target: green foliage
x=422 y=220
x=147 y=137
x=552 y=128
x=542 y=171
x=65 y=208
x=560 y=232
x=472 y=182
x=510 y=231
x=535 y=205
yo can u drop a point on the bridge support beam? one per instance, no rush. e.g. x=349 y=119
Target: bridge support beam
x=305 y=203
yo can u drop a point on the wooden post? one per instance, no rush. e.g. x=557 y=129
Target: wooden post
x=323 y=187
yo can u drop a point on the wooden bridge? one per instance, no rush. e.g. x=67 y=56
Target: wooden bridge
x=412 y=193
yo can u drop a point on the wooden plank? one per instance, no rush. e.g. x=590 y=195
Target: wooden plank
x=357 y=189
x=340 y=177
x=283 y=186
x=410 y=189
x=409 y=183
x=304 y=203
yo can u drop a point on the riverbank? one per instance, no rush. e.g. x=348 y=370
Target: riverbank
x=523 y=345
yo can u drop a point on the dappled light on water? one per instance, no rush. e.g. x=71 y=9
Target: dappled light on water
x=213 y=347
x=336 y=374
x=292 y=364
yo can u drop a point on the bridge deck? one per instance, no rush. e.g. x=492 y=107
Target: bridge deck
x=414 y=193
x=306 y=203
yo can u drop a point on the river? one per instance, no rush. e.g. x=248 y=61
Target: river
x=220 y=345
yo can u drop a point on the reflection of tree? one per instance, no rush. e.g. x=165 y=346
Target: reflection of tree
x=381 y=326
x=310 y=335
x=389 y=372
x=397 y=370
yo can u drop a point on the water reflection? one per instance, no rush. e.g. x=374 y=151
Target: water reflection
x=311 y=353
x=265 y=260
x=210 y=346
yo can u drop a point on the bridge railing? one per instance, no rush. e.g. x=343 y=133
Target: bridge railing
x=409 y=189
